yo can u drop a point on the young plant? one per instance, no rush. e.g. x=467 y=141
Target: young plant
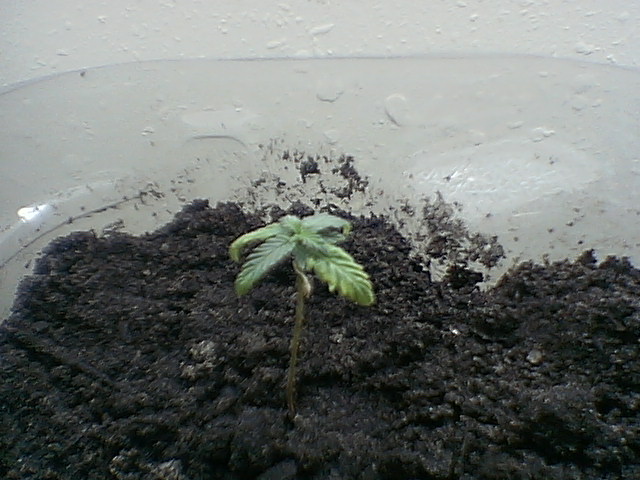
x=311 y=243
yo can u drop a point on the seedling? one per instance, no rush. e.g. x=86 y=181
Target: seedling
x=312 y=244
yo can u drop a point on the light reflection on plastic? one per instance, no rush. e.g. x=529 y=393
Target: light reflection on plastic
x=27 y=214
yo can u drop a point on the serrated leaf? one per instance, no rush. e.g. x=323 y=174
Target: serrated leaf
x=342 y=273
x=312 y=243
x=264 y=257
x=323 y=221
x=261 y=234
x=290 y=224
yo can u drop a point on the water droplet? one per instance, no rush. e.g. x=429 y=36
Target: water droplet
x=327 y=91
x=623 y=17
x=579 y=103
x=540 y=133
x=275 y=44
x=321 y=29
x=332 y=136
x=477 y=137
x=397 y=109
x=584 y=49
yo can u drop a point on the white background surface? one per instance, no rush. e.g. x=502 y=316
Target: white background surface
x=43 y=37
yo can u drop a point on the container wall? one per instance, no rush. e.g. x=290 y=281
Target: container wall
x=540 y=153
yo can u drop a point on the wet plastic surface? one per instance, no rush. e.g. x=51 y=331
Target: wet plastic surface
x=542 y=153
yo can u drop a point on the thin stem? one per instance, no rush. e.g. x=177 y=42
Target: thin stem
x=303 y=290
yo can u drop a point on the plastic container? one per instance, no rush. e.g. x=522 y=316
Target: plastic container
x=542 y=153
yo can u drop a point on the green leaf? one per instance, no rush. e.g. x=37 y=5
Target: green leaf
x=322 y=230
x=261 y=234
x=323 y=221
x=264 y=257
x=290 y=224
x=312 y=243
x=342 y=273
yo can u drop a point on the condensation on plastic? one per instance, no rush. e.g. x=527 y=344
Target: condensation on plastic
x=543 y=153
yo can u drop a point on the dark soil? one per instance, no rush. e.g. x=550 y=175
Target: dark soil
x=132 y=358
